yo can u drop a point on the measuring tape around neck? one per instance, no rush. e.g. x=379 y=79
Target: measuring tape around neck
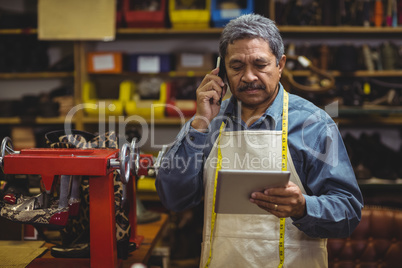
x=284 y=168
x=218 y=167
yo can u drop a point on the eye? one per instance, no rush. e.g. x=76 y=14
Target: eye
x=236 y=67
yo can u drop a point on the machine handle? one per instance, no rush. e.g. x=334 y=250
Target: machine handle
x=125 y=163
x=6 y=147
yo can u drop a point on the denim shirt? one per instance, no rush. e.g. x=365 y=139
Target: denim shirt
x=333 y=199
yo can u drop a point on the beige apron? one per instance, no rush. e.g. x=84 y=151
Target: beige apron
x=252 y=240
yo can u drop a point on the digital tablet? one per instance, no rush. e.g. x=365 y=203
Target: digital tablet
x=234 y=188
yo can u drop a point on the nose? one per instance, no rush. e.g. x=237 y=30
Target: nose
x=248 y=75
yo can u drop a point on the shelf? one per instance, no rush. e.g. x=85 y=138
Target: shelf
x=340 y=29
x=376 y=182
x=168 y=74
x=168 y=31
x=38 y=120
x=369 y=121
x=51 y=120
x=10 y=120
x=35 y=75
x=370 y=110
x=360 y=73
x=18 y=31
x=283 y=29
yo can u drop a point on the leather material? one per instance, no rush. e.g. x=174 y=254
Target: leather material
x=376 y=242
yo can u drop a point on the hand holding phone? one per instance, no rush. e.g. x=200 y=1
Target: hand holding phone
x=207 y=106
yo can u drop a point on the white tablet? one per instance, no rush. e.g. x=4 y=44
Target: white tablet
x=234 y=188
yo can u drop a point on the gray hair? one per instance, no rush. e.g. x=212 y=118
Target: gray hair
x=252 y=26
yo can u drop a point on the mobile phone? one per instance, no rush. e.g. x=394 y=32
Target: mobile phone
x=220 y=62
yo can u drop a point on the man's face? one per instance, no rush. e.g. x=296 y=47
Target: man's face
x=252 y=72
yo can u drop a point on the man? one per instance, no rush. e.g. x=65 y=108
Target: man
x=321 y=200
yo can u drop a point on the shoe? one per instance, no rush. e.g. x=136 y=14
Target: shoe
x=33 y=210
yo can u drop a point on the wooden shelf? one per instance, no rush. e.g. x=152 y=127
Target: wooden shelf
x=19 y=31
x=339 y=29
x=168 y=31
x=369 y=121
x=166 y=74
x=370 y=110
x=283 y=28
x=36 y=75
x=38 y=120
x=360 y=73
x=51 y=120
x=10 y=120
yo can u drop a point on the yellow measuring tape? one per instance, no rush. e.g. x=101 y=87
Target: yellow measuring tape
x=284 y=168
x=218 y=167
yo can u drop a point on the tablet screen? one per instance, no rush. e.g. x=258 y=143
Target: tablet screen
x=234 y=188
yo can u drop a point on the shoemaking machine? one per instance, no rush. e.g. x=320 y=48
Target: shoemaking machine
x=98 y=165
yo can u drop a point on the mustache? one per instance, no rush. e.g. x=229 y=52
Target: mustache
x=246 y=86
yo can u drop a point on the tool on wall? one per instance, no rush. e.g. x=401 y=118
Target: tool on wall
x=320 y=80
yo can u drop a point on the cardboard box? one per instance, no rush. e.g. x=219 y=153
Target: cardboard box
x=76 y=20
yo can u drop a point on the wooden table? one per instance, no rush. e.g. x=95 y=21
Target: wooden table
x=151 y=231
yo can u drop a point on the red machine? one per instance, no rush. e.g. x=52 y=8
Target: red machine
x=98 y=164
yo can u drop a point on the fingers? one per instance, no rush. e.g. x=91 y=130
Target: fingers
x=213 y=76
x=277 y=209
x=211 y=89
x=283 y=201
x=208 y=95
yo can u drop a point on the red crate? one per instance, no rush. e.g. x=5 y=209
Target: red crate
x=144 y=19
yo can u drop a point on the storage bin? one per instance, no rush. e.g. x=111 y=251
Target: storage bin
x=119 y=13
x=148 y=109
x=187 y=15
x=149 y=63
x=179 y=107
x=222 y=11
x=105 y=62
x=96 y=106
x=193 y=61
x=145 y=14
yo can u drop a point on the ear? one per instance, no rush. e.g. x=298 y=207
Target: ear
x=281 y=65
